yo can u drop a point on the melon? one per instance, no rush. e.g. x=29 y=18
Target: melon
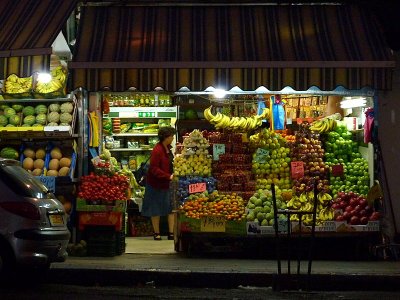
x=14 y=120
x=54 y=164
x=8 y=112
x=41 y=119
x=37 y=125
x=28 y=110
x=54 y=107
x=53 y=117
x=191 y=114
x=65 y=162
x=10 y=125
x=27 y=164
x=26 y=125
x=3 y=120
x=52 y=173
x=64 y=171
x=9 y=152
x=52 y=124
x=37 y=172
x=66 y=118
x=41 y=109
x=17 y=107
x=30 y=120
x=64 y=124
x=28 y=152
x=56 y=153
x=38 y=163
x=66 y=107
x=40 y=153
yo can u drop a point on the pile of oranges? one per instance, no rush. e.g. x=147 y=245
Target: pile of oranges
x=229 y=206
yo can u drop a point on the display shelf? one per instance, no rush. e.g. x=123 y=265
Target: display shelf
x=143 y=112
x=130 y=149
x=30 y=100
x=133 y=134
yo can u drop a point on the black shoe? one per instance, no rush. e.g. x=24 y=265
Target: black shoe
x=157 y=237
x=170 y=235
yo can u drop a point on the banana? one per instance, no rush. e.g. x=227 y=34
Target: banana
x=217 y=118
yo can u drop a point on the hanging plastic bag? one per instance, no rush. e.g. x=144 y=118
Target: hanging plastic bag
x=278 y=113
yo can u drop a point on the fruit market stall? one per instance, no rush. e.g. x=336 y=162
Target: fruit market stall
x=225 y=175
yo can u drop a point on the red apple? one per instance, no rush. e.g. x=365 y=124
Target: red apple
x=343 y=204
x=346 y=215
x=364 y=220
x=339 y=218
x=362 y=213
x=375 y=216
x=354 y=220
x=348 y=208
x=363 y=202
x=353 y=202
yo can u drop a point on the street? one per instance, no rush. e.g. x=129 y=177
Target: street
x=148 y=291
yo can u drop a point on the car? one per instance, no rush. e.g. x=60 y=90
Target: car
x=33 y=223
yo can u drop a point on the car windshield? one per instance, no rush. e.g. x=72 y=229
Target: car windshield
x=23 y=183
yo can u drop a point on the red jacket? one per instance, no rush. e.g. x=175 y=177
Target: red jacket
x=160 y=171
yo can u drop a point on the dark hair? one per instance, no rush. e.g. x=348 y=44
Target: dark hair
x=165 y=132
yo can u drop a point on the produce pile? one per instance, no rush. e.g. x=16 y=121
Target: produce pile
x=184 y=182
x=18 y=115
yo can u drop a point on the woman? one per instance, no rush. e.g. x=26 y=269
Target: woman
x=156 y=200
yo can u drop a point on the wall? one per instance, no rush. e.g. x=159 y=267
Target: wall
x=389 y=133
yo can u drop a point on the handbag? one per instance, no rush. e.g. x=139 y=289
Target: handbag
x=141 y=172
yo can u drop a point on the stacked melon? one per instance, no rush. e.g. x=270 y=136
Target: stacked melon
x=34 y=160
x=58 y=165
x=60 y=114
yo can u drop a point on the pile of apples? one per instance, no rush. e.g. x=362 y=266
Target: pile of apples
x=354 y=209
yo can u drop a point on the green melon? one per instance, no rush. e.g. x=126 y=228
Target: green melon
x=10 y=125
x=28 y=110
x=54 y=107
x=30 y=120
x=14 y=120
x=41 y=109
x=37 y=125
x=4 y=106
x=66 y=107
x=8 y=112
x=26 y=125
x=41 y=119
x=3 y=121
x=17 y=107
x=65 y=118
x=9 y=152
x=53 y=117
x=52 y=124
x=191 y=114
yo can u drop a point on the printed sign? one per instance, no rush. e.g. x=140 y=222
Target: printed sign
x=212 y=224
x=261 y=155
x=197 y=187
x=49 y=182
x=297 y=169
x=337 y=170
x=218 y=149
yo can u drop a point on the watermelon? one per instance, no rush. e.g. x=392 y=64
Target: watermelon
x=14 y=120
x=30 y=120
x=53 y=117
x=54 y=107
x=9 y=152
x=191 y=114
x=17 y=107
x=41 y=109
x=8 y=112
x=3 y=121
x=41 y=119
x=28 y=110
x=4 y=106
x=37 y=125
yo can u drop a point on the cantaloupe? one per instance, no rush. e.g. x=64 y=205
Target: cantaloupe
x=27 y=164
x=52 y=173
x=40 y=153
x=37 y=172
x=28 y=152
x=54 y=164
x=65 y=162
x=64 y=171
x=56 y=153
x=38 y=163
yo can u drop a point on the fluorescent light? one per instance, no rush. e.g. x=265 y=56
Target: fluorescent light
x=219 y=93
x=44 y=77
x=350 y=102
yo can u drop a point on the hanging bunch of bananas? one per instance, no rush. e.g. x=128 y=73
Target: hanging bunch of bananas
x=18 y=85
x=57 y=82
x=222 y=121
x=323 y=125
x=305 y=202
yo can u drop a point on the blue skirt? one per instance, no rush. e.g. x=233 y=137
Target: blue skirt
x=156 y=202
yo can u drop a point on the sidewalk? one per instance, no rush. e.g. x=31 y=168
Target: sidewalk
x=179 y=270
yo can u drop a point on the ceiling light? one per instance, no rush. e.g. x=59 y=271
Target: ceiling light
x=351 y=102
x=219 y=93
x=44 y=77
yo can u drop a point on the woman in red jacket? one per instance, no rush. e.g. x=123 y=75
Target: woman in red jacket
x=157 y=196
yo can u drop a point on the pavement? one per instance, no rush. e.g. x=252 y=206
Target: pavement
x=176 y=269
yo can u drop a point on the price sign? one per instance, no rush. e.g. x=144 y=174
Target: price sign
x=297 y=169
x=147 y=114
x=218 y=149
x=197 y=187
x=49 y=182
x=212 y=224
x=337 y=170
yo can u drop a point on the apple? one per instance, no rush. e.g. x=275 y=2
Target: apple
x=353 y=202
x=358 y=208
x=375 y=216
x=346 y=215
x=354 y=220
x=362 y=213
x=364 y=220
x=343 y=204
x=363 y=202
x=340 y=218
x=348 y=208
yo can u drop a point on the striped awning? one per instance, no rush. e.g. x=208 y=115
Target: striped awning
x=28 y=28
x=246 y=46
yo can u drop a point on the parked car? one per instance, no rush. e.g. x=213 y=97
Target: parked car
x=33 y=230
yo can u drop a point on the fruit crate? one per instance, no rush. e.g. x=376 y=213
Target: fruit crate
x=84 y=205
x=112 y=219
x=104 y=241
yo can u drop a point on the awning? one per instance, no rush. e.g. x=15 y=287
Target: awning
x=28 y=28
x=246 y=46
